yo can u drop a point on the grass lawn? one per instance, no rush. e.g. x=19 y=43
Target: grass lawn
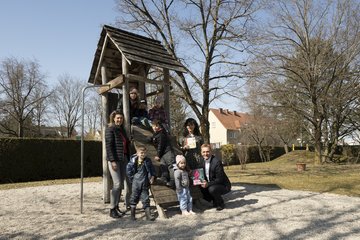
x=282 y=172
x=332 y=178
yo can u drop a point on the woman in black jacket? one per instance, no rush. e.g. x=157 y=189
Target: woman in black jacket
x=117 y=153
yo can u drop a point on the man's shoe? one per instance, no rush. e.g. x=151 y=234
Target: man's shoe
x=114 y=213
x=220 y=207
x=161 y=181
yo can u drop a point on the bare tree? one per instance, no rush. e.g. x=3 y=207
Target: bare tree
x=41 y=108
x=20 y=81
x=92 y=112
x=208 y=38
x=310 y=65
x=66 y=102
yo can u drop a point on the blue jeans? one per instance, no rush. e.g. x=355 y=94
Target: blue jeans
x=185 y=199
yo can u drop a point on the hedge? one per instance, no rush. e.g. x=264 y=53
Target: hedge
x=23 y=160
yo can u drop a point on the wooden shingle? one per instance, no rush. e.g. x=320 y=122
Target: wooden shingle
x=136 y=49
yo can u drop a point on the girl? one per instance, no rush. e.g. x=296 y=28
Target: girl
x=182 y=184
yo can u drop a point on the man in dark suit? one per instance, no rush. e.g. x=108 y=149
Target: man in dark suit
x=216 y=182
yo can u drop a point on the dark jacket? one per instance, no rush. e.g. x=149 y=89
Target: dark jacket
x=114 y=143
x=217 y=174
x=161 y=142
x=132 y=167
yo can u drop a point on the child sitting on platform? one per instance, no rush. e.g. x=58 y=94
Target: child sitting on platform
x=165 y=153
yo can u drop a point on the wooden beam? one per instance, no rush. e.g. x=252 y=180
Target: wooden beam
x=125 y=91
x=167 y=94
x=116 y=82
x=101 y=58
x=134 y=77
x=105 y=116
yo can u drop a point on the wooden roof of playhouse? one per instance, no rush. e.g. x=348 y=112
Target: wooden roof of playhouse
x=138 y=51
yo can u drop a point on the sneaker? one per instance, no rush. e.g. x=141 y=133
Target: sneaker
x=185 y=213
x=192 y=212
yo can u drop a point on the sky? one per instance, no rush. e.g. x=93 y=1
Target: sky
x=62 y=35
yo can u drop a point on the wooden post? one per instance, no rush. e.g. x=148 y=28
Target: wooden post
x=105 y=117
x=141 y=89
x=167 y=95
x=125 y=88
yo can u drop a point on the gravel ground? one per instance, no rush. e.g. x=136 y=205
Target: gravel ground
x=252 y=212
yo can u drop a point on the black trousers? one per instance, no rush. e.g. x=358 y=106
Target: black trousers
x=166 y=165
x=214 y=192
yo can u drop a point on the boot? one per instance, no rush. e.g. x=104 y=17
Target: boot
x=148 y=215
x=121 y=213
x=114 y=213
x=133 y=213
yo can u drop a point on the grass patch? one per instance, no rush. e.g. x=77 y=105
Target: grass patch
x=330 y=178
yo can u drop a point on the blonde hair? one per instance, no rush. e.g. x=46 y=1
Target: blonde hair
x=206 y=145
x=140 y=148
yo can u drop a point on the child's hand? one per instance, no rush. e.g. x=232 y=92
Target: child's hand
x=157 y=158
x=152 y=180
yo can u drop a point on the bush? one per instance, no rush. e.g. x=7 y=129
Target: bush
x=44 y=159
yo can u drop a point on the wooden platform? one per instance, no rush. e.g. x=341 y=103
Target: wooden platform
x=164 y=196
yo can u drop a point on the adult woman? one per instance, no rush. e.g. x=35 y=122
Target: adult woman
x=117 y=152
x=191 y=143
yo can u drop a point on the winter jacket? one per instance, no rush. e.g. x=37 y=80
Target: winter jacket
x=114 y=143
x=132 y=167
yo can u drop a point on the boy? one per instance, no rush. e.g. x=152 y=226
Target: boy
x=165 y=153
x=141 y=174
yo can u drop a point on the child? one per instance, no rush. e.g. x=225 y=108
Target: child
x=158 y=111
x=182 y=186
x=141 y=174
x=165 y=153
x=142 y=115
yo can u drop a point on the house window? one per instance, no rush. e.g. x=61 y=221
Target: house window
x=213 y=124
x=232 y=134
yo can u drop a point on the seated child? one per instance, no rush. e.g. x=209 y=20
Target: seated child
x=142 y=115
x=182 y=184
x=141 y=174
x=138 y=109
x=158 y=112
x=165 y=153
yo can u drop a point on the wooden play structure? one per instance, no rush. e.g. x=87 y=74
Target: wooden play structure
x=123 y=60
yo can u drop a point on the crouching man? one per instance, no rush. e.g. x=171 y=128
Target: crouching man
x=216 y=182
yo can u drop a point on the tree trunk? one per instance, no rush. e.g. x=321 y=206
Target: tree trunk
x=286 y=148
x=318 y=146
